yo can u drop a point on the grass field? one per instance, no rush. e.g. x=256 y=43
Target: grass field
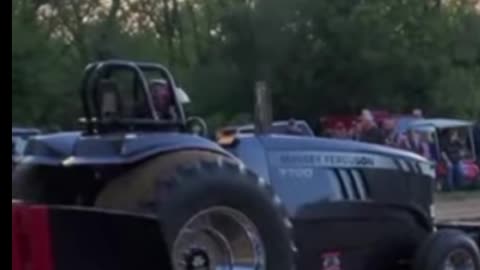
x=463 y=206
x=457 y=196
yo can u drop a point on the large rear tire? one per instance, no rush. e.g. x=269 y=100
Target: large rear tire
x=212 y=211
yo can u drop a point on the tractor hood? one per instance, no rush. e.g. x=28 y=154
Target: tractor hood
x=299 y=151
x=287 y=143
x=73 y=148
x=315 y=174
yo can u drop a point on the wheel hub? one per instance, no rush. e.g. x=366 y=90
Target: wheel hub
x=219 y=238
x=459 y=260
x=197 y=259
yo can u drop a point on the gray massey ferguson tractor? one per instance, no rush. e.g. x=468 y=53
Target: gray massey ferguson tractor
x=131 y=157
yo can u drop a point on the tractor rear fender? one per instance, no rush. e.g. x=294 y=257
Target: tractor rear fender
x=61 y=168
x=74 y=149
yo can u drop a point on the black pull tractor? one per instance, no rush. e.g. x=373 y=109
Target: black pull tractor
x=253 y=202
x=136 y=156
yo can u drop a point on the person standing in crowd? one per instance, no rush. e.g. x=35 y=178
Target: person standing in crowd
x=389 y=135
x=369 y=132
x=421 y=145
x=355 y=131
x=402 y=141
x=416 y=142
x=476 y=136
x=417 y=113
x=341 y=131
x=451 y=154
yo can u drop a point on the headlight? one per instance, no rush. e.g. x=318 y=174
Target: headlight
x=428 y=168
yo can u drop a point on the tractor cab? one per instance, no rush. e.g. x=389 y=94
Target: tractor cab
x=131 y=96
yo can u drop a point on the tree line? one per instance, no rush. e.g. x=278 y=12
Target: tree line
x=318 y=56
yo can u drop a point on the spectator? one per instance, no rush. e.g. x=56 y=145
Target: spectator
x=418 y=113
x=476 y=136
x=451 y=147
x=355 y=130
x=341 y=131
x=432 y=143
x=422 y=145
x=403 y=142
x=389 y=135
x=416 y=142
x=369 y=132
x=367 y=114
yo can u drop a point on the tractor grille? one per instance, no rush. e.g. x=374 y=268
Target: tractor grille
x=350 y=184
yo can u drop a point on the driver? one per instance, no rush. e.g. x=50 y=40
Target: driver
x=162 y=100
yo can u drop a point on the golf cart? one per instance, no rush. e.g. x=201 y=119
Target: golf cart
x=467 y=174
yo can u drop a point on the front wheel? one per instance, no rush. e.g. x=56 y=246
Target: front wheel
x=448 y=250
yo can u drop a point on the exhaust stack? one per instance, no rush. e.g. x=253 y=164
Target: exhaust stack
x=263 y=113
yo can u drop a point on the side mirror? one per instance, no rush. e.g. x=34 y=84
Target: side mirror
x=197 y=126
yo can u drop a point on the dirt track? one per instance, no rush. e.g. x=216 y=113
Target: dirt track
x=463 y=206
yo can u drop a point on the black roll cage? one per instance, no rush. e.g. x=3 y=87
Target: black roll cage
x=94 y=121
